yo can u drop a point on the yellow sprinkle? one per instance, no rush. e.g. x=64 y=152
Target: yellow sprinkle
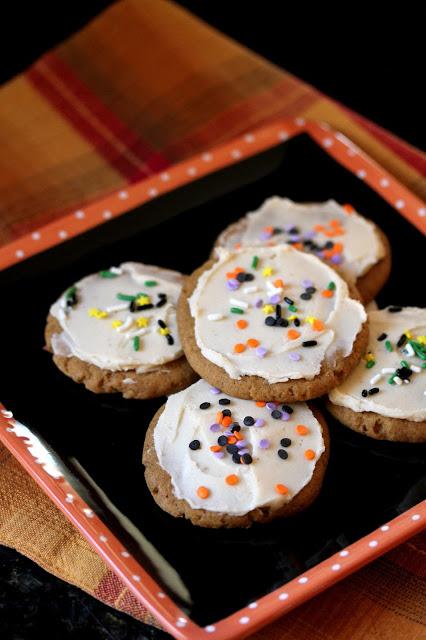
x=310 y=319
x=369 y=356
x=267 y=271
x=421 y=339
x=268 y=308
x=143 y=300
x=97 y=313
x=164 y=332
x=142 y=322
x=116 y=323
x=291 y=318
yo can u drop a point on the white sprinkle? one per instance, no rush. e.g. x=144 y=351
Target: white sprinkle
x=424 y=393
x=62 y=315
x=244 y=620
x=385 y=527
x=88 y=512
x=406 y=382
x=344 y=553
x=303 y=580
x=69 y=498
x=336 y=567
x=251 y=289
x=361 y=174
x=252 y=605
x=117 y=270
x=63 y=303
x=388 y=370
x=210 y=628
x=6 y=413
x=36 y=235
x=103 y=538
x=416 y=516
x=181 y=622
x=215 y=316
x=123 y=195
x=238 y=303
x=126 y=554
x=139 y=332
x=408 y=350
x=397 y=380
x=376 y=378
x=373 y=543
x=126 y=325
x=415 y=368
x=283 y=596
x=128 y=381
x=79 y=214
x=117 y=307
x=136 y=578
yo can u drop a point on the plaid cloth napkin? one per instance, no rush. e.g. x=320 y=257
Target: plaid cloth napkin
x=141 y=87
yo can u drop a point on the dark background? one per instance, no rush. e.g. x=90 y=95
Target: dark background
x=369 y=58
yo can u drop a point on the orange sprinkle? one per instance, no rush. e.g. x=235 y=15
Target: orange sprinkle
x=238 y=270
x=302 y=430
x=239 y=348
x=278 y=283
x=260 y=403
x=241 y=324
x=318 y=227
x=219 y=417
x=232 y=439
x=226 y=421
x=338 y=247
x=203 y=492
x=268 y=229
x=232 y=479
x=327 y=293
x=292 y=334
x=253 y=343
x=318 y=325
x=348 y=208
x=334 y=223
x=238 y=435
x=215 y=447
x=237 y=245
x=327 y=253
x=230 y=274
x=281 y=489
x=297 y=245
x=309 y=454
x=330 y=234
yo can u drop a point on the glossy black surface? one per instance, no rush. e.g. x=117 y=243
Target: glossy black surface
x=367 y=482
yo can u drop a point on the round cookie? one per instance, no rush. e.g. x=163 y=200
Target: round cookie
x=277 y=324
x=385 y=395
x=115 y=332
x=337 y=234
x=193 y=470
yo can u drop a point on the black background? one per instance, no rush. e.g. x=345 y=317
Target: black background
x=368 y=60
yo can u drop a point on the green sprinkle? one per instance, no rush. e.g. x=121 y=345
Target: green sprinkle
x=108 y=274
x=419 y=349
x=254 y=262
x=236 y=310
x=150 y=283
x=71 y=292
x=291 y=307
x=391 y=379
x=404 y=363
x=424 y=365
x=331 y=286
x=370 y=363
x=136 y=343
x=123 y=296
x=388 y=346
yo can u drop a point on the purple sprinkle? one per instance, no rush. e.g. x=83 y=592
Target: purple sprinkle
x=218 y=454
x=307 y=283
x=215 y=427
x=265 y=235
x=228 y=433
x=214 y=390
x=232 y=284
x=309 y=235
x=258 y=303
x=243 y=451
x=288 y=227
x=296 y=238
x=241 y=444
x=336 y=259
x=259 y=422
x=320 y=254
x=285 y=416
x=271 y=405
x=293 y=355
x=275 y=298
x=260 y=352
x=264 y=444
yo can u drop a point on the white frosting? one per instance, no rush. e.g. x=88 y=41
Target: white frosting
x=398 y=400
x=182 y=421
x=285 y=358
x=108 y=341
x=362 y=247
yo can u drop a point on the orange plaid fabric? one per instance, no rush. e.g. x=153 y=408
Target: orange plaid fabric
x=142 y=86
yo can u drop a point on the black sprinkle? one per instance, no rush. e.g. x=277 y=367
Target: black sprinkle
x=248 y=277
x=394 y=309
x=287 y=408
x=194 y=445
x=306 y=296
x=139 y=307
x=278 y=311
x=294 y=231
x=282 y=322
x=248 y=421
x=310 y=290
x=364 y=393
x=309 y=343
x=232 y=448
x=161 y=324
x=235 y=427
x=205 y=405
x=276 y=414
x=282 y=454
x=161 y=302
x=241 y=277
x=170 y=339
x=402 y=340
x=224 y=401
x=270 y=321
x=226 y=412
x=236 y=458
x=277 y=230
x=246 y=458
x=404 y=373
x=288 y=300
x=222 y=440
x=382 y=337
x=296 y=322
x=285 y=442
x=373 y=391
x=329 y=244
